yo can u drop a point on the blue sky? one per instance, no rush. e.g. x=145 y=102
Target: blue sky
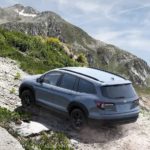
x=124 y=23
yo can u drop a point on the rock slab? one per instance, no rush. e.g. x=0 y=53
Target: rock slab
x=8 y=142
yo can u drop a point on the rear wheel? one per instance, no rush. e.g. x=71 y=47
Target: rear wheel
x=78 y=119
x=27 y=98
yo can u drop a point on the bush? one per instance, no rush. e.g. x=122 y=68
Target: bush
x=17 y=76
x=44 y=141
x=12 y=91
x=54 y=141
x=53 y=41
x=7 y=116
x=34 y=55
x=82 y=59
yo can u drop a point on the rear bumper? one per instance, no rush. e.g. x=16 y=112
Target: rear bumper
x=123 y=118
x=113 y=121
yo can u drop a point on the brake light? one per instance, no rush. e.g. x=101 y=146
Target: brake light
x=104 y=105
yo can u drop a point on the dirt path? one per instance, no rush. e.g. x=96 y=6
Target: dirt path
x=132 y=136
x=126 y=137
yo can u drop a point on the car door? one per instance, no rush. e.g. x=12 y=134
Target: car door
x=45 y=90
x=65 y=92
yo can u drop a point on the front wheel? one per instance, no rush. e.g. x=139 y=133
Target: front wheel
x=27 y=98
x=78 y=119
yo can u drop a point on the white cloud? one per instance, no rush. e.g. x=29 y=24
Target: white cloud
x=108 y=34
x=133 y=9
x=87 y=6
x=132 y=40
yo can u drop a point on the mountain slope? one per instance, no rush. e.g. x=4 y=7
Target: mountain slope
x=99 y=54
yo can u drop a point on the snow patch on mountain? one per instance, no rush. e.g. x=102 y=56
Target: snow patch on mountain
x=22 y=13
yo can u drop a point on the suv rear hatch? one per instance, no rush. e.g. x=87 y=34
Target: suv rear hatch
x=122 y=97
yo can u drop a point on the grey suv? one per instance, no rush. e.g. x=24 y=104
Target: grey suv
x=84 y=94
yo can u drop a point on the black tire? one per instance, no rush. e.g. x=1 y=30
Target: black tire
x=27 y=98
x=78 y=119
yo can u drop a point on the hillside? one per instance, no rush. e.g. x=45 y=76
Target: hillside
x=35 y=54
x=98 y=54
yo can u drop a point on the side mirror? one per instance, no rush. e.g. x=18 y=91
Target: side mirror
x=40 y=80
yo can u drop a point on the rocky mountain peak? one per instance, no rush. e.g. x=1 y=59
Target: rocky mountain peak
x=49 y=14
x=22 y=11
x=17 y=6
x=30 y=10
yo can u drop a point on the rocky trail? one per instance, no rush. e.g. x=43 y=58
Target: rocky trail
x=10 y=78
x=133 y=136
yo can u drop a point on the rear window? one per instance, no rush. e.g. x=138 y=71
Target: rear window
x=118 y=91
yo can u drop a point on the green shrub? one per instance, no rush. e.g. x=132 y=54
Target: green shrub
x=17 y=76
x=55 y=141
x=53 y=41
x=34 y=55
x=82 y=59
x=12 y=91
x=7 y=116
x=44 y=141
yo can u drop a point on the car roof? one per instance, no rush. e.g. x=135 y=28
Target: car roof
x=104 y=77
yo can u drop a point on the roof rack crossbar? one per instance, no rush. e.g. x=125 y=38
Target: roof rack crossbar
x=108 y=72
x=81 y=74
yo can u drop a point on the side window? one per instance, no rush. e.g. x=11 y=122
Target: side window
x=86 y=87
x=68 y=81
x=52 y=78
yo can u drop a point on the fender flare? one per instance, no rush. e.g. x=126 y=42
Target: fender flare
x=25 y=86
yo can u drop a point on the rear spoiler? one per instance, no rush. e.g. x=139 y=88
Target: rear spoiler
x=116 y=83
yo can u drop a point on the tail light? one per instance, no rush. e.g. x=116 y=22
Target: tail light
x=105 y=105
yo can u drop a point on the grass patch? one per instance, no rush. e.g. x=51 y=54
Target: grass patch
x=47 y=141
x=44 y=141
x=142 y=90
x=12 y=91
x=7 y=116
x=17 y=76
x=34 y=53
